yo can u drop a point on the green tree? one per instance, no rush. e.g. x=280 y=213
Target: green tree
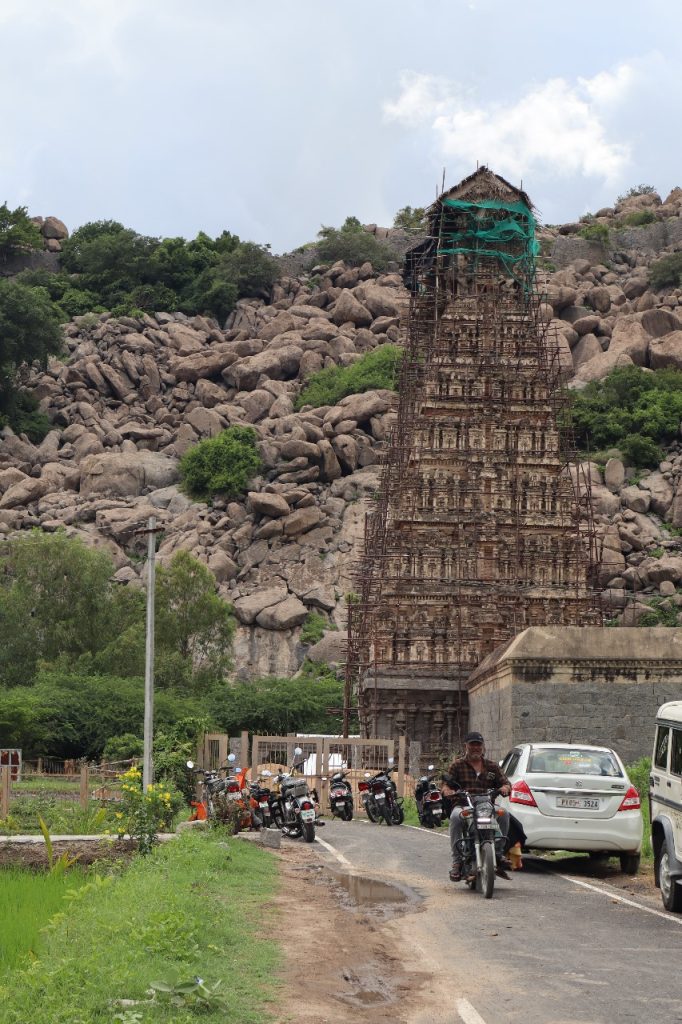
x=667 y=272
x=410 y=219
x=352 y=244
x=192 y=620
x=29 y=330
x=17 y=232
x=221 y=465
x=279 y=706
x=57 y=603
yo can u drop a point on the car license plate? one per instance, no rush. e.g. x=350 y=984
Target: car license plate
x=582 y=803
x=308 y=815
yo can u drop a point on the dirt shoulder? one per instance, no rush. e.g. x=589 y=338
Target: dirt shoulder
x=345 y=962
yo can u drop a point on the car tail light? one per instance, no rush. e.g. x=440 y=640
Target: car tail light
x=521 y=794
x=363 y=787
x=631 y=801
x=435 y=796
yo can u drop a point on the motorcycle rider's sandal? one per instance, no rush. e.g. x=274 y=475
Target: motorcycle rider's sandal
x=456 y=873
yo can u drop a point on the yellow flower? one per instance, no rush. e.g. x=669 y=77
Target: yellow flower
x=119 y=814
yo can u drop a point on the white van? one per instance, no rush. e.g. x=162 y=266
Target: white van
x=665 y=804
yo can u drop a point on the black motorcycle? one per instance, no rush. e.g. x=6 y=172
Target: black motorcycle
x=429 y=800
x=261 y=802
x=380 y=797
x=297 y=803
x=341 y=796
x=481 y=843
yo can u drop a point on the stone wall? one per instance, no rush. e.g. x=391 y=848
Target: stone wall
x=529 y=696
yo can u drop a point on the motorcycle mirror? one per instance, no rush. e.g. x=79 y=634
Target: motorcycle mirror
x=431 y=767
x=297 y=751
x=323 y=778
x=266 y=774
x=367 y=775
x=190 y=764
x=231 y=758
x=391 y=760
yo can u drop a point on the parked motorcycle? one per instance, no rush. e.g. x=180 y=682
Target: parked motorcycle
x=481 y=840
x=225 y=781
x=380 y=797
x=341 y=796
x=429 y=800
x=260 y=798
x=297 y=803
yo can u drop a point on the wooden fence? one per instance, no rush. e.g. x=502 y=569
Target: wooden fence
x=77 y=781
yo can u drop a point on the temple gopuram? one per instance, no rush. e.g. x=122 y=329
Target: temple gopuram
x=482 y=523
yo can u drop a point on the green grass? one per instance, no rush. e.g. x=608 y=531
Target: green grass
x=197 y=906
x=27 y=902
x=63 y=817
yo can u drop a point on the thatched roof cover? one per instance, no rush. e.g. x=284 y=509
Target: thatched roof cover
x=482 y=184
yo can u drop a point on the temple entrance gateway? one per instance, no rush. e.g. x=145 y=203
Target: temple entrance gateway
x=479 y=530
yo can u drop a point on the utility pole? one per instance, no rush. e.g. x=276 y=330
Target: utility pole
x=150 y=532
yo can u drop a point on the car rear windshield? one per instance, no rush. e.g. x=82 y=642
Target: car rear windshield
x=573 y=762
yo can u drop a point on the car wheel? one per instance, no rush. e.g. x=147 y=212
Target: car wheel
x=671 y=893
x=629 y=863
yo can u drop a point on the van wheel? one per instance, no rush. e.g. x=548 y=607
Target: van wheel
x=629 y=863
x=671 y=893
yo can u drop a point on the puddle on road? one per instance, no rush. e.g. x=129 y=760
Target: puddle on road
x=372 y=894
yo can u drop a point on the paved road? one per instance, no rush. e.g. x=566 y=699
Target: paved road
x=546 y=949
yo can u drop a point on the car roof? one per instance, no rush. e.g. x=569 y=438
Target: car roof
x=672 y=711
x=568 y=746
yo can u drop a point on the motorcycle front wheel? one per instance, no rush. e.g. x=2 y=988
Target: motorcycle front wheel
x=308 y=828
x=485 y=879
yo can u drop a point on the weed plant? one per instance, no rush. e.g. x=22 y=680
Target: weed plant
x=194 y=909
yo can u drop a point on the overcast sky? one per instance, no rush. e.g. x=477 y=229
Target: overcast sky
x=270 y=119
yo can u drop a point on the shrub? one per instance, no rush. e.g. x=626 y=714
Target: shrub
x=221 y=465
x=638 y=218
x=143 y=815
x=595 y=233
x=24 y=417
x=667 y=272
x=352 y=244
x=631 y=410
x=122 y=748
x=314 y=626
x=636 y=190
x=376 y=369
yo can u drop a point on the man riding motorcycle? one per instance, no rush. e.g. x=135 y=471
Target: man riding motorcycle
x=475 y=773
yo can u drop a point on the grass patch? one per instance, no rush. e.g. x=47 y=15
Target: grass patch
x=195 y=907
x=63 y=817
x=27 y=902
x=377 y=369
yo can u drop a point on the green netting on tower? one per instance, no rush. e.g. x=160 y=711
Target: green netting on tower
x=502 y=231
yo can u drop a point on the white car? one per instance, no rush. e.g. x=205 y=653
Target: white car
x=575 y=797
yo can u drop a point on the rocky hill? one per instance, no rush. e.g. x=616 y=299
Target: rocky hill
x=130 y=396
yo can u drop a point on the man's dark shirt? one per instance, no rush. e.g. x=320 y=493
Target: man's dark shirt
x=461 y=771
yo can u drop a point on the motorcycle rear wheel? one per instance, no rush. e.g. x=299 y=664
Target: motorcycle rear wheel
x=308 y=829
x=397 y=814
x=485 y=879
x=349 y=814
x=387 y=813
x=371 y=812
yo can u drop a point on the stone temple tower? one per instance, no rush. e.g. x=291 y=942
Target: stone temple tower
x=481 y=526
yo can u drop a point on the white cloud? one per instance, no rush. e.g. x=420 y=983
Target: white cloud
x=556 y=125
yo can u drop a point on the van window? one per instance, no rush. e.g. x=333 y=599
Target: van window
x=661 y=748
x=676 y=753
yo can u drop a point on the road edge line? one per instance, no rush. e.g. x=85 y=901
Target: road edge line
x=467 y=1012
x=622 y=899
x=334 y=852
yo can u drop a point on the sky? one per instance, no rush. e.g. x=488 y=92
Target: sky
x=270 y=119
